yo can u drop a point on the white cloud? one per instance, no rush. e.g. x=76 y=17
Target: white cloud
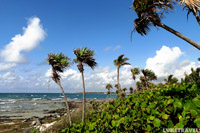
x=112 y=48
x=6 y=66
x=117 y=47
x=31 y=38
x=108 y=48
x=166 y=62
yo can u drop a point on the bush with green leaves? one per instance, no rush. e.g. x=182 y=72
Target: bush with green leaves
x=172 y=106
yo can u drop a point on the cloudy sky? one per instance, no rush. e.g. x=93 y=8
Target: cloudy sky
x=29 y=30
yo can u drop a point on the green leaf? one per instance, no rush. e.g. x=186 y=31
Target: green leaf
x=152 y=105
x=170 y=124
x=193 y=112
x=197 y=122
x=165 y=116
x=91 y=127
x=156 y=122
x=149 y=128
x=178 y=105
x=151 y=117
x=179 y=125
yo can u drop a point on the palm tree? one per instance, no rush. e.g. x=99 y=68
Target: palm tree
x=171 y=80
x=150 y=13
x=84 y=56
x=119 y=62
x=108 y=87
x=131 y=90
x=59 y=62
x=148 y=76
x=124 y=89
x=192 y=6
x=135 y=71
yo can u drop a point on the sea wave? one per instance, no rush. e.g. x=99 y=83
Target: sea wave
x=56 y=99
x=2 y=103
x=35 y=99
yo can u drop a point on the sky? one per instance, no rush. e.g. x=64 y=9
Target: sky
x=29 y=30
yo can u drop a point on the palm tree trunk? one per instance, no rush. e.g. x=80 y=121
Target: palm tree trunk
x=66 y=103
x=83 y=83
x=196 y=16
x=136 y=86
x=179 y=35
x=119 y=87
x=118 y=79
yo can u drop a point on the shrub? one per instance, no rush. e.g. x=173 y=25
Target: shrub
x=174 y=106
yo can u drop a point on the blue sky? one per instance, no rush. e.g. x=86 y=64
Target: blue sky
x=103 y=26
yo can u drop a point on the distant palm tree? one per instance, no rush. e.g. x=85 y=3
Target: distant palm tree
x=124 y=89
x=131 y=90
x=119 y=62
x=150 y=13
x=140 y=85
x=108 y=87
x=135 y=71
x=171 y=80
x=59 y=62
x=84 y=56
x=148 y=76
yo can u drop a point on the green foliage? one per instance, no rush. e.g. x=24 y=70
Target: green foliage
x=149 y=12
x=35 y=130
x=175 y=106
x=85 y=56
x=120 y=61
x=58 y=62
x=171 y=80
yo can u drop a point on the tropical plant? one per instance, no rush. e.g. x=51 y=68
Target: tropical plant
x=131 y=90
x=192 y=6
x=148 y=76
x=84 y=56
x=150 y=13
x=140 y=85
x=124 y=89
x=171 y=80
x=119 y=62
x=109 y=87
x=176 y=106
x=58 y=63
x=193 y=77
x=135 y=71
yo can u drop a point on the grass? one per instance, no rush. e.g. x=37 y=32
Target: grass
x=17 y=127
x=63 y=122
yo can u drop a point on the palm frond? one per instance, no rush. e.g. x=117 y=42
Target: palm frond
x=142 y=26
x=85 y=56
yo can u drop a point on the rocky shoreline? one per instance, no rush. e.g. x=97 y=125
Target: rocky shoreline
x=17 y=123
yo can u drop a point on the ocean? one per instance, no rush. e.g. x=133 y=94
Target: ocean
x=25 y=105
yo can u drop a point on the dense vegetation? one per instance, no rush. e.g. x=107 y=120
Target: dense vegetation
x=172 y=106
x=169 y=105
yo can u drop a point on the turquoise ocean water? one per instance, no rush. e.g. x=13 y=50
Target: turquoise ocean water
x=32 y=104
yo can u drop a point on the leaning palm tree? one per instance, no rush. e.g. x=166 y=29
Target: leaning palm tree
x=59 y=62
x=84 y=56
x=150 y=13
x=193 y=6
x=109 y=87
x=135 y=71
x=119 y=62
